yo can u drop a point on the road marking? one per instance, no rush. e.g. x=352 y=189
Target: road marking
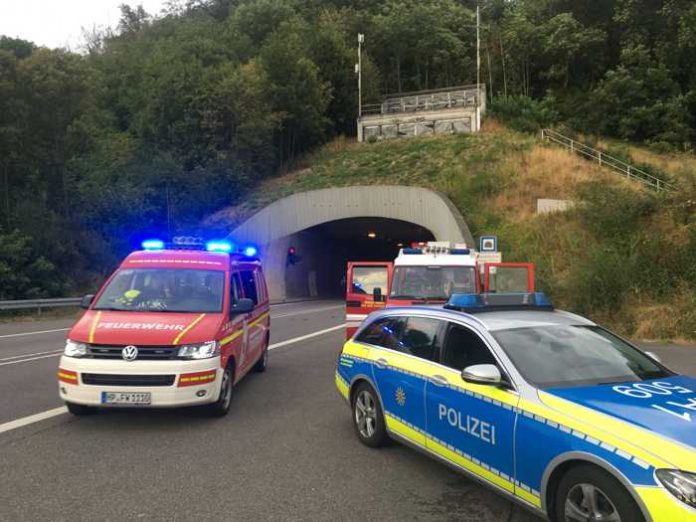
x=31 y=419
x=34 y=333
x=52 y=352
x=58 y=354
x=310 y=311
x=305 y=337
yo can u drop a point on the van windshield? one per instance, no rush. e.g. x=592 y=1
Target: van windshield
x=164 y=290
x=432 y=282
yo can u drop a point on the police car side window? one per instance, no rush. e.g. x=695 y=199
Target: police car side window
x=421 y=337
x=383 y=332
x=464 y=347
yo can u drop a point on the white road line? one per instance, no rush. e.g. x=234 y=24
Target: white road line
x=34 y=333
x=31 y=359
x=31 y=419
x=305 y=337
x=53 y=352
x=310 y=311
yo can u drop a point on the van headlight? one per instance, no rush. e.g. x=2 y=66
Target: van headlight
x=74 y=349
x=200 y=351
x=681 y=484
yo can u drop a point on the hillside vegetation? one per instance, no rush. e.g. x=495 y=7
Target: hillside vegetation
x=623 y=255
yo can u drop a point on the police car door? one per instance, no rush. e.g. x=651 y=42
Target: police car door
x=400 y=369
x=471 y=425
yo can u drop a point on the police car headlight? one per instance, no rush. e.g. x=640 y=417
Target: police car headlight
x=75 y=349
x=200 y=351
x=681 y=484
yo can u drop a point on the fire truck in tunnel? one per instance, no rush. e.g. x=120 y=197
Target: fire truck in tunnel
x=427 y=273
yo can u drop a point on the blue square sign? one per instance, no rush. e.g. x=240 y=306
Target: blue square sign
x=488 y=244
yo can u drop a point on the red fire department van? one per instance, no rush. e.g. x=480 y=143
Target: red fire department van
x=175 y=325
x=427 y=273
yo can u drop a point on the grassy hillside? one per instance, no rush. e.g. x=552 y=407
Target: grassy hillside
x=622 y=255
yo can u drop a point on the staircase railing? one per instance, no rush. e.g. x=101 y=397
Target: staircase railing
x=607 y=160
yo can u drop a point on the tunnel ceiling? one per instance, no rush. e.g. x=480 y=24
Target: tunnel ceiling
x=400 y=207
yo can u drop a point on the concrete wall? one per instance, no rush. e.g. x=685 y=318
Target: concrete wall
x=282 y=223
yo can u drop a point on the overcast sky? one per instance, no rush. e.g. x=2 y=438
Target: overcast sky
x=58 y=23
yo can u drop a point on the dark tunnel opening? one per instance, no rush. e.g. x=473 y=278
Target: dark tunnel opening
x=322 y=252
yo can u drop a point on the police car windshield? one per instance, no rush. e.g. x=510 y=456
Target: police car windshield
x=432 y=282
x=565 y=355
x=164 y=290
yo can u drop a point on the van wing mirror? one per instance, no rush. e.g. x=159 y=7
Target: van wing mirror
x=482 y=374
x=377 y=294
x=242 y=306
x=86 y=301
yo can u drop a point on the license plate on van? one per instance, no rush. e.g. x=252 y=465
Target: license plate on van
x=125 y=398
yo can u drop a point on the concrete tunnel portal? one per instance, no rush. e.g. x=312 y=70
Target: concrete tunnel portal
x=329 y=227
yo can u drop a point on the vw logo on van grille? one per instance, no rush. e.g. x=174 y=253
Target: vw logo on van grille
x=129 y=353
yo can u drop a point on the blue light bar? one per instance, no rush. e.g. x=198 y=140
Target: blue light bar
x=250 y=251
x=219 y=246
x=412 y=251
x=473 y=303
x=460 y=251
x=153 y=244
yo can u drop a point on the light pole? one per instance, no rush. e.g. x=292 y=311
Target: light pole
x=478 y=67
x=361 y=39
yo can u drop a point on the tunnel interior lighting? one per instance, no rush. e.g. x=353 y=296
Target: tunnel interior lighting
x=218 y=246
x=152 y=244
x=372 y=235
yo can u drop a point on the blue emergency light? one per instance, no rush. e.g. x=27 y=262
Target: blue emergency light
x=153 y=244
x=250 y=251
x=219 y=246
x=473 y=303
x=412 y=251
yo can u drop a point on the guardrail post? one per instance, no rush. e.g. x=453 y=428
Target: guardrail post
x=628 y=172
x=600 y=158
x=572 y=149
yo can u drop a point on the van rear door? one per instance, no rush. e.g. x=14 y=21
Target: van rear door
x=508 y=277
x=367 y=286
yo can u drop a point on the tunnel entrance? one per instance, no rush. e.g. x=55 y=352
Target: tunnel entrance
x=322 y=252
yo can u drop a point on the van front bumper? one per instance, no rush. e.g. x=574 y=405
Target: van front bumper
x=76 y=391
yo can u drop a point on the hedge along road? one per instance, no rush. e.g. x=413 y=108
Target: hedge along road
x=286 y=451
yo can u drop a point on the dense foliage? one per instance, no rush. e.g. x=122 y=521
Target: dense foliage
x=173 y=115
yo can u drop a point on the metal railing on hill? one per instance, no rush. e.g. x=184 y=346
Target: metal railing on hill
x=606 y=160
x=39 y=304
x=431 y=100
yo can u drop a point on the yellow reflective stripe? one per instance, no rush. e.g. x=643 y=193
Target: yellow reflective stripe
x=527 y=496
x=259 y=319
x=231 y=338
x=405 y=431
x=635 y=442
x=94 y=326
x=662 y=506
x=185 y=330
x=342 y=386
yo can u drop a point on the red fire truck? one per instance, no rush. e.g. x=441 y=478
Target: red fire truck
x=427 y=273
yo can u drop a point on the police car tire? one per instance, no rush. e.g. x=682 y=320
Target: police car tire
x=262 y=363
x=79 y=409
x=221 y=407
x=379 y=437
x=616 y=492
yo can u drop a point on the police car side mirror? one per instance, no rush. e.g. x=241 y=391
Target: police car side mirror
x=242 y=306
x=86 y=301
x=482 y=374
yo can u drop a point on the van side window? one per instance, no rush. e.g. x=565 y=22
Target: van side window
x=249 y=284
x=465 y=348
x=235 y=288
x=261 y=287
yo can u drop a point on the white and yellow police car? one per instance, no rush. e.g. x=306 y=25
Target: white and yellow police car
x=545 y=406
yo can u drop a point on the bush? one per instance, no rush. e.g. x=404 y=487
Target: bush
x=523 y=113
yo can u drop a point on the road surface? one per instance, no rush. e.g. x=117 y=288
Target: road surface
x=285 y=452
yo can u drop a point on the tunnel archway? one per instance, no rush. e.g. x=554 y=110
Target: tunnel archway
x=329 y=227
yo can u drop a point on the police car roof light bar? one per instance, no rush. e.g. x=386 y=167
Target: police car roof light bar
x=477 y=303
x=412 y=251
x=250 y=251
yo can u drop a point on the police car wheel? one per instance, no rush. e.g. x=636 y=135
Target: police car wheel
x=368 y=418
x=79 y=409
x=588 y=493
x=261 y=364
x=222 y=405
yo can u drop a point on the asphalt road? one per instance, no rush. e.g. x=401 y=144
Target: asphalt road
x=286 y=451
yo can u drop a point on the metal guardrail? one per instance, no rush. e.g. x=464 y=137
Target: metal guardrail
x=606 y=160
x=437 y=99
x=39 y=304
